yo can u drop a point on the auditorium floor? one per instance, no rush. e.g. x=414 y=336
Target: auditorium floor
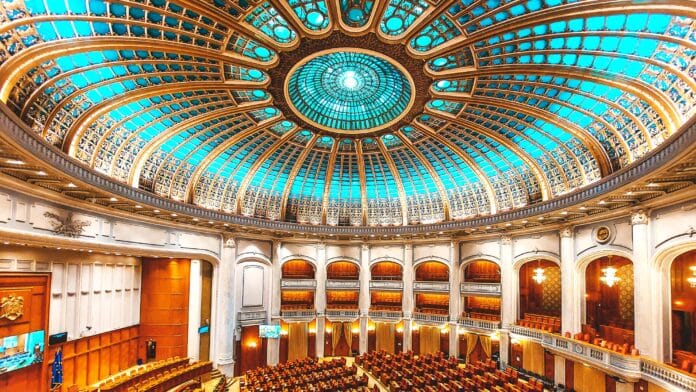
x=349 y=361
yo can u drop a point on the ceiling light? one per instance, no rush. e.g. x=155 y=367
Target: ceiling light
x=156 y=211
x=71 y=185
x=211 y=222
x=113 y=199
x=14 y=161
x=174 y=215
x=41 y=173
x=602 y=202
x=564 y=212
x=195 y=219
x=138 y=206
x=583 y=208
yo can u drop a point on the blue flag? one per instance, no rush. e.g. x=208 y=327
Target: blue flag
x=57 y=369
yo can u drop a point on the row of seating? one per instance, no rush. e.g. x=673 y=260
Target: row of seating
x=170 y=379
x=123 y=381
x=482 y=316
x=342 y=306
x=539 y=321
x=685 y=361
x=302 y=306
x=405 y=372
x=430 y=310
x=393 y=308
x=624 y=348
x=306 y=374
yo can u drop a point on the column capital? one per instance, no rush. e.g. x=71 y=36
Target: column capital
x=566 y=232
x=364 y=247
x=408 y=246
x=229 y=242
x=639 y=217
x=321 y=246
x=505 y=240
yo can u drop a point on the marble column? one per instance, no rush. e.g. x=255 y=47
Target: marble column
x=273 y=345
x=571 y=298
x=320 y=298
x=194 y=314
x=407 y=295
x=224 y=327
x=646 y=283
x=454 y=294
x=507 y=280
x=364 y=303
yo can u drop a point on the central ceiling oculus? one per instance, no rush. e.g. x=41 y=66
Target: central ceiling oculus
x=349 y=90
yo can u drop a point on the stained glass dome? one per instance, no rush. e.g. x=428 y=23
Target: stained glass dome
x=347 y=90
x=429 y=111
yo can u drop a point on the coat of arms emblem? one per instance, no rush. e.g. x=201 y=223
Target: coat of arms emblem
x=11 y=307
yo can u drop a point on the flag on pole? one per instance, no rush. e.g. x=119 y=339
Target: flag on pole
x=57 y=369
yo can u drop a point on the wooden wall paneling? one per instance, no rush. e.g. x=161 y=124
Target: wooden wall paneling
x=549 y=365
x=569 y=374
x=415 y=341
x=34 y=288
x=164 y=306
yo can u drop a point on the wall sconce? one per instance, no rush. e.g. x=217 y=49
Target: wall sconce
x=329 y=330
x=399 y=330
x=312 y=331
x=495 y=336
x=284 y=332
x=355 y=331
x=252 y=344
x=370 y=327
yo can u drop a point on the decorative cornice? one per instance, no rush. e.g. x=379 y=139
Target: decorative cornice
x=14 y=132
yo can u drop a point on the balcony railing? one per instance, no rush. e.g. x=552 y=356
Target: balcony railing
x=484 y=325
x=342 y=315
x=298 y=283
x=431 y=286
x=343 y=284
x=430 y=318
x=386 y=285
x=475 y=288
x=249 y=317
x=629 y=367
x=298 y=314
x=385 y=315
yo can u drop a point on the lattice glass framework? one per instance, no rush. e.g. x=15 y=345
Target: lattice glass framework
x=344 y=90
x=528 y=100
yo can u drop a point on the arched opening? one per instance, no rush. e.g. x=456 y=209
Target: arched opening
x=540 y=295
x=609 y=303
x=432 y=271
x=683 y=295
x=386 y=270
x=298 y=269
x=343 y=270
x=481 y=298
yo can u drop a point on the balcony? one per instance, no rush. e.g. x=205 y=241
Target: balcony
x=431 y=286
x=629 y=367
x=298 y=314
x=386 y=285
x=480 y=289
x=389 y=315
x=343 y=284
x=430 y=318
x=483 y=325
x=342 y=315
x=298 y=284
x=251 y=317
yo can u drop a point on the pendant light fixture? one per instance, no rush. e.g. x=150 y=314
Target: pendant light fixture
x=539 y=277
x=609 y=278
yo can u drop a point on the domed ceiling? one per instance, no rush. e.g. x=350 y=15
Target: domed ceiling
x=351 y=112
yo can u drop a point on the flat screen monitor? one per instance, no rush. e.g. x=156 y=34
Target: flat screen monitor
x=269 y=331
x=57 y=338
x=20 y=351
x=203 y=329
